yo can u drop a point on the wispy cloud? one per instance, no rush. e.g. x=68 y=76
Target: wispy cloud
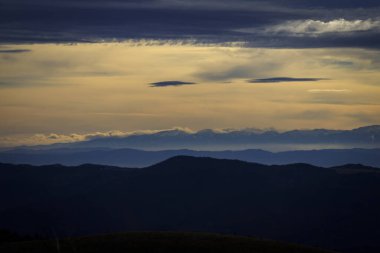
x=46 y=139
x=313 y=115
x=318 y=27
x=284 y=79
x=205 y=136
x=271 y=23
x=329 y=91
x=170 y=83
x=240 y=71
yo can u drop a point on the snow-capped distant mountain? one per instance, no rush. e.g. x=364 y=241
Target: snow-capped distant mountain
x=210 y=139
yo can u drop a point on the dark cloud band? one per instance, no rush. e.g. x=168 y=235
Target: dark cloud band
x=14 y=51
x=207 y=21
x=170 y=83
x=284 y=79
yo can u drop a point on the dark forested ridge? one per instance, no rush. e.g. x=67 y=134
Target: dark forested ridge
x=335 y=208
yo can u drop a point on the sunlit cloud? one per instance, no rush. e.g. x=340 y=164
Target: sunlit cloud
x=52 y=138
x=317 y=27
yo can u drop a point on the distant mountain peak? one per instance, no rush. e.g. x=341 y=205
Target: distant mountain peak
x=182 y=162
x=174 y=132
x=373 y=128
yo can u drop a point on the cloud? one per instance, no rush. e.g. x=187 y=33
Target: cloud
x=318 y=27
x=241 y=71
x=46 y=139
x=170 y=83
x=339 y=97
x=364 y=117
x=313 y=115
x=329 y=91
x=284 y=79
x=179 y=135
x=14 y=51
x=271 y=23
x=339 y=63
x=228 y=70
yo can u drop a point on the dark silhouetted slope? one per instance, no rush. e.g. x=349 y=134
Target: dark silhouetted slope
x=334 y=208
x=159 y=242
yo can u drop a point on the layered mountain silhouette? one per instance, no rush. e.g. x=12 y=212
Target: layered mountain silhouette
x=335 y=208
x=141 y=158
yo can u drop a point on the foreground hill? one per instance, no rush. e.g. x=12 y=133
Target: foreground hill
x=141 y=158
x=335 y=208
x=158 y=242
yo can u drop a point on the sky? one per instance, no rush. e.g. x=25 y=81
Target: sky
x=88 y=67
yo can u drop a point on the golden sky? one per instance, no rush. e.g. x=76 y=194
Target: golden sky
x=100 y=87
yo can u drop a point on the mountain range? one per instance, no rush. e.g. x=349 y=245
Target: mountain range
x=335 y=208
x=141 y=158
x=232 y=139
